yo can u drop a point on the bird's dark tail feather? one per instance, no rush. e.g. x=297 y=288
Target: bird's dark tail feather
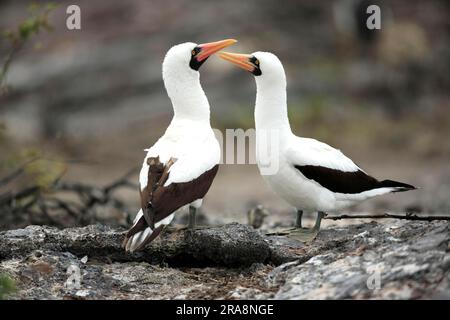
x=399 y=186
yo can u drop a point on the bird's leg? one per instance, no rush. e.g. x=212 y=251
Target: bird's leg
x=303 y=234
x=307 y=235
x=192 y=220
x=191 y=225
x=298 y=221
x=320 y=216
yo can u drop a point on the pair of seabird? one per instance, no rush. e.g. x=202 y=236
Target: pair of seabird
x=179 y=168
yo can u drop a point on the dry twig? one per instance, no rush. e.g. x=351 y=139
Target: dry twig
x=388 y=216
x=33 y=205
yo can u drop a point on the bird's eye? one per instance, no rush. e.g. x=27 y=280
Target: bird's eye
x=257 y=62
x=193 y=52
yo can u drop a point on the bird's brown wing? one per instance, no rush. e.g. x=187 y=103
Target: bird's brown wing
x=159 y=201
x=157 y=176
x=348 y=182
x=167 y=199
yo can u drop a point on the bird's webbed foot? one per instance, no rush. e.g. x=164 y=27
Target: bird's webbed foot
x=298 y=233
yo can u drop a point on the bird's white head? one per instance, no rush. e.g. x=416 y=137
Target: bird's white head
x=265 y=66
x=177 y=61
x=185 y=59
x=271 y=105
x=268 y=65
x=181 y=76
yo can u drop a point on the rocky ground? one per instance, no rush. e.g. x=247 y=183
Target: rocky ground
x=93 y=99
x=386 y=259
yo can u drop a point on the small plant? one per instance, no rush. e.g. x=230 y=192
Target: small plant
x=7 y=286
x=36 y=22
x=41 y=171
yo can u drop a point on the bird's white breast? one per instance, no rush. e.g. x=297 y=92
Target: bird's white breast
x=193 y=145
x=301 y=193
x=292 y=186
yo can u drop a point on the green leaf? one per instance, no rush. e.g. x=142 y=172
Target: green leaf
x=27 y=28
x=7 y=286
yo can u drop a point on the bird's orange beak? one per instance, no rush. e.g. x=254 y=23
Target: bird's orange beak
x=241 y=60
x=210 y=48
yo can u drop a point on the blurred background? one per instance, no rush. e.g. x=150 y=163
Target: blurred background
x=77 y=107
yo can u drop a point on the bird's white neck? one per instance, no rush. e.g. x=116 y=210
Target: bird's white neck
x=189 y=101
x=271 y=106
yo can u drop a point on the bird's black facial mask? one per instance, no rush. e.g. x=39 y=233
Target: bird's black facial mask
x=194 y=63
x=255 y=62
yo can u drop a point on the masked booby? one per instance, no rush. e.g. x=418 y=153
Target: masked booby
x=312 y=176
x=179 y=168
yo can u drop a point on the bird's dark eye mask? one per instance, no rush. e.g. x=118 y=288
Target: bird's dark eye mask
x=194 y=63
x=255 y=62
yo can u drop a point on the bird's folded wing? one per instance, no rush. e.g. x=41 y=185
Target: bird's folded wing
x=175 y=184
x=330 y=168
x=310 y=152
x=168 y=187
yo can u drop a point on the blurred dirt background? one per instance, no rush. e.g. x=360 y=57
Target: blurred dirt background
x=93 y=99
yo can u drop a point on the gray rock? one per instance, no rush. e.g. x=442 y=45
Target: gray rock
x=230 y=245
x=395 y=260
x=390 y=259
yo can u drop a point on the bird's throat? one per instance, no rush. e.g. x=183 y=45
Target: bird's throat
x=188 y=99
x=271 y=109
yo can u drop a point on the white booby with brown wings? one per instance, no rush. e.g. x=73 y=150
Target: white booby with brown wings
x=180 y=167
